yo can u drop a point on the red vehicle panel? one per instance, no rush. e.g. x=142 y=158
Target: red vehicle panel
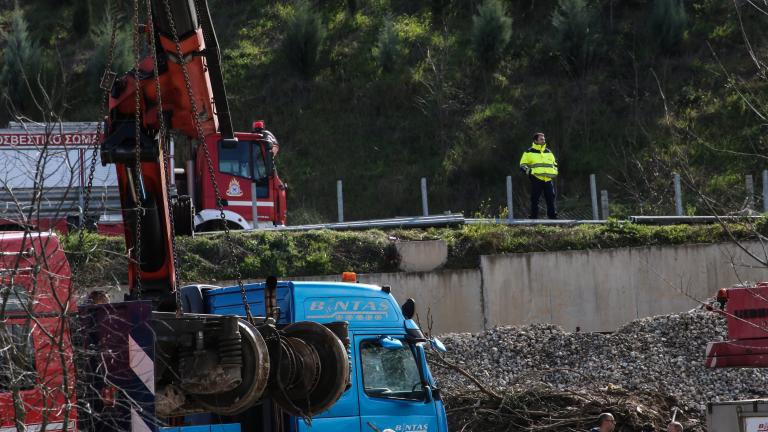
x=36 y=302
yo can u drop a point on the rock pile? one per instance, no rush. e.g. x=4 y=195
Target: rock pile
x=663 y=354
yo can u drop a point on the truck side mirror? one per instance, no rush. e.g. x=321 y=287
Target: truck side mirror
x=390 y=343
x=438 y=345
x=408 y=308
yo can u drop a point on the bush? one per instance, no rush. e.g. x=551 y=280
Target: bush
x=491 y=32
x=303 y=38
x=576 y=34
x=388 y=47
x=668 y=23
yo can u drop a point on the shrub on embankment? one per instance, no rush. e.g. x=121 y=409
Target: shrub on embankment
x=259 y=254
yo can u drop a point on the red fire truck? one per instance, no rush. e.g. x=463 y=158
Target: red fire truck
x=63 y=151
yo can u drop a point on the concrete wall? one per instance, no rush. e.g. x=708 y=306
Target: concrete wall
x=596 y=290
x=599 y=290
x=450 y=297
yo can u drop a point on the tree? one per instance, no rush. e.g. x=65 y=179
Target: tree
x=21 y=62
x=668 y=22
x=388 y=47
x=122 y=56
x=576 y=34
x=491 y=32
x=303 y=39
x=81 y=17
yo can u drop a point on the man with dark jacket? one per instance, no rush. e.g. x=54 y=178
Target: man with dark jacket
x=539 y=163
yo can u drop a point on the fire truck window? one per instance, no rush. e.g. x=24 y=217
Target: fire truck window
x=390 y=373
x=260 y=172
x=235 y=160
x=13 y=298
x=259 y=167
x=17 y=357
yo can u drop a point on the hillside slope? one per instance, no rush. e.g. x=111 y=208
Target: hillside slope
x=444 y=89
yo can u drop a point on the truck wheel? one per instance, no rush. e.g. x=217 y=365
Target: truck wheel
x=255 y=373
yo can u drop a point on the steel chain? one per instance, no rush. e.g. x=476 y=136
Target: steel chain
x=209 y=163
x=165 y=158
x=102 y=112
x=137 y=118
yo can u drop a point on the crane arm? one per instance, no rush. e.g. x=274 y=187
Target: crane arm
x=192 y=102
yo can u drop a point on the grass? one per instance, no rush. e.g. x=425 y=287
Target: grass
x=324 y=252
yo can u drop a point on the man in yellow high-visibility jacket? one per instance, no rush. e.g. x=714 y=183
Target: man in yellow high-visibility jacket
x=539 y=163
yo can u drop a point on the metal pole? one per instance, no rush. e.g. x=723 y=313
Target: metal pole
x=254 y=206
x=604 y=202
x=190 y=172
x=593 y=192
x=510 y=210
x=678 y=195
x=172 y=167
x=750 y=185
x=81 y=189
x=340 y=199
x=424 y=203
x=765 y=191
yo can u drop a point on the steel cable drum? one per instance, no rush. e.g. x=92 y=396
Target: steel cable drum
x=313 y=371
x=255 y=376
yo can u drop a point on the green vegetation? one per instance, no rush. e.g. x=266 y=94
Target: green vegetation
x=379 y=93
x=491 y=32
x=208 y=258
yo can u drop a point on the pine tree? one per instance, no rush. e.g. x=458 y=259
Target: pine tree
x=388 y=47
x=491 y=32
x=21 y=62
x=667 y=24
x=81 y=18
x=303 y=38
x=576 y=35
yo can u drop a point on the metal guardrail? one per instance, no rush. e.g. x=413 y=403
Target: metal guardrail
x=675 y=220
x=531 y=222
x=397 y=222
x=458 y=219
x=57 y=202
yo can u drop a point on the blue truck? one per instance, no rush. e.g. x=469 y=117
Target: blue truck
x=391 y=388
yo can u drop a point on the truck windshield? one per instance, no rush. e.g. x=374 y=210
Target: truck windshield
x=243 y=160
x=390 y=373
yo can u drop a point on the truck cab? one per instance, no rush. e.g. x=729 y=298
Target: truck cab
x=36 y=369
x=391 y=388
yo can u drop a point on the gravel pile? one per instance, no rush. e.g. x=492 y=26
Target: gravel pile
x=664 y=354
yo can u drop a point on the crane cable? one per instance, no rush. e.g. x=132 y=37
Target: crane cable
x=209 y=164
x=137 y=153
x=107 y=79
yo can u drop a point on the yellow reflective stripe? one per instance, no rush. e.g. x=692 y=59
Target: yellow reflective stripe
x=542 y=165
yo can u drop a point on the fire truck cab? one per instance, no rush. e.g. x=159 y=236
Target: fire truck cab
x=37 y=376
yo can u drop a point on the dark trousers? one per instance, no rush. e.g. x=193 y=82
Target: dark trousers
x=548 y=188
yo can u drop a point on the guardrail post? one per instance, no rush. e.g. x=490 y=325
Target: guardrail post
x=678 y=195
x=750 y=186
x=340 y=199
x=604 y=201
x=254 y=206
x=424 y=203
x=765 y=191
x=593 y=193
x=510 y=213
